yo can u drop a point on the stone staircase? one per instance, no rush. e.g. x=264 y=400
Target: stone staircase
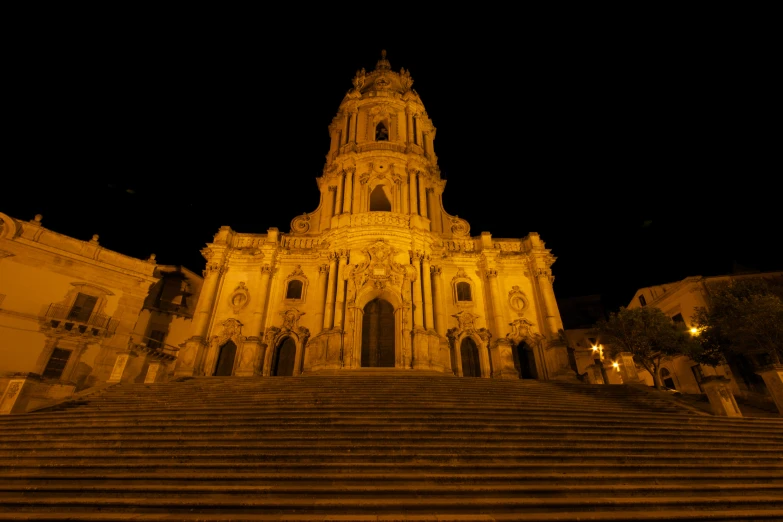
x=387 y=445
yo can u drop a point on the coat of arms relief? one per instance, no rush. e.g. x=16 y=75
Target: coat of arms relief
x=380 y=271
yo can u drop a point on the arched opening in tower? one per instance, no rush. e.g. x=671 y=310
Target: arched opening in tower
x=378 y=334
x=381 y=132
x=379 y=202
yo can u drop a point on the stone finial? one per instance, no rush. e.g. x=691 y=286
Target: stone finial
x=94 y=239
x=38 y=218
x=152 y=258
x=383 y=63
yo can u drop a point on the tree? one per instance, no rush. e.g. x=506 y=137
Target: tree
x=745 y=317
x=647 y=333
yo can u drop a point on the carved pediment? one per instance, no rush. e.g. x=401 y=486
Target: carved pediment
x=291 y=319
x=230 y=329
x=523 y=330
x=466 y=325
x=379 y=269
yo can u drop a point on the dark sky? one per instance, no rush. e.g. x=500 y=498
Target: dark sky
x=641 y=156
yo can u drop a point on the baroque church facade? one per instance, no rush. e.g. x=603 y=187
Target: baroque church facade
x=380 y=275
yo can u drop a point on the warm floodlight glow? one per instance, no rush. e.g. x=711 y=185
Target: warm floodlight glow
x=694 y=331
x=616 y=365
x=595 y=348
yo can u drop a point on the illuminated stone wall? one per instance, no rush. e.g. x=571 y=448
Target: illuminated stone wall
x=68 y=299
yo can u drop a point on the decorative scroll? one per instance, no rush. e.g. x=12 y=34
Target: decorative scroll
x=459 y=227
x=300 y=224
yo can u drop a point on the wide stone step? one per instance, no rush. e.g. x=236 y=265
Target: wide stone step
x=392 y=466
x=394 y=450
x=628 y=514
x=377 y=411
x=394 y=490
x=352 y=476
x=411 y=443
x=374 y=505
x=328 y=428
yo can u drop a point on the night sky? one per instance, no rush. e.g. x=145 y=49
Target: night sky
x=640 y=156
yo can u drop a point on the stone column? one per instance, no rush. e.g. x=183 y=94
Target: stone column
x=418 y=312
x=719 y=394
x=422 y=196
x=338 y=202
x=329 y=208
x=339 y=304
x=414 y=206
x=502 y=356
x=426 y=281
x=329 y=306
x=252 y=348
x=545 y=281
x=628 y=368
x=347 y=120
x=320 y=296
x=497 y=310
x=206 y=302
x=17 y=394
x=348 y=195
x=409 y=129
x=432 y=210
x=773 y=378
x=437 y=300
x=354 y=124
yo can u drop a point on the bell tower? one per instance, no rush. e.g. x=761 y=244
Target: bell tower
x=381 y=156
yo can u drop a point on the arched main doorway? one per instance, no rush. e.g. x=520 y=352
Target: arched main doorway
x=470 y=358
x=225 y=364
x=285 y=354
x=378 y=335
x=525 y=361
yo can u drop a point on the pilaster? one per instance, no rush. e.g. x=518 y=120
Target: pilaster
x=121 y=363
x=418 y=312
x=721 y=399
x=627 y=368
x=773 y=378
x=17 y=393
x=437 y=300
x=426 y=281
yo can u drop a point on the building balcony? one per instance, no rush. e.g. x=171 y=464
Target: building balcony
x=61 y=317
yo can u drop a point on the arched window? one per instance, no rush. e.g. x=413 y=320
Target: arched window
x=378 y=200
x=381 y=132
x=294 y=290
x=463 y=291
x=667 y=379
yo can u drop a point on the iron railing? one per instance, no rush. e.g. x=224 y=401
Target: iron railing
x=99 y=323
